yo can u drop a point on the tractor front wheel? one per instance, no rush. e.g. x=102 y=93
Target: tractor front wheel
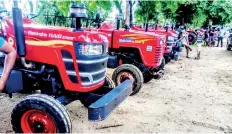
x=148 y=78
x=128 y=71
x=228 y=48
x=40 y=114
x=162 y=64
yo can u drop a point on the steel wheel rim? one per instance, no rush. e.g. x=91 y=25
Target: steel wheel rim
x=124 y=76
x=36 y=121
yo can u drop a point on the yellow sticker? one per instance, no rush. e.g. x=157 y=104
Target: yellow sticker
x=11 y=41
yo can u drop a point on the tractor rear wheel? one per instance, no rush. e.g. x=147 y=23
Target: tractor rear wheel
x=108 y=85
x=128 y=71
x=192 y=38
x=40 y=114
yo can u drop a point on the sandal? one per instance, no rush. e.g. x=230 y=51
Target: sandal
x=196 y=58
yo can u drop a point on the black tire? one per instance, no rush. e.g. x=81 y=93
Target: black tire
x=108 y=85
x=194 y=38
x=41 y=104
x=228 y=48
x=132 y=70
x=167 y=59
x=148 y=78
x=163 y=63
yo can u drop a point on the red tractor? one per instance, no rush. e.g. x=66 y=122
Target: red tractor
x=136 y=55
x=65 y=65
x=170 y=38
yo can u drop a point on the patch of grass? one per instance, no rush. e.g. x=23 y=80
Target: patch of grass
x=194 y=45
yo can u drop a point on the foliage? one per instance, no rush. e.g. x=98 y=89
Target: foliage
x=93 y=6
x=220 y=12
x=169 y=8
x=61 y=8
x=193 y=12
x=118 y=5
x=147 y=10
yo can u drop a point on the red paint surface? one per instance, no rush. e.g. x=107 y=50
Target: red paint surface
x=141 y=41
x=47 y=49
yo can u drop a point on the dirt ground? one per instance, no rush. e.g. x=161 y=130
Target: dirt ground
x=193 y=96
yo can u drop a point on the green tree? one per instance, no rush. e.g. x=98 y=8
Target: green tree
x=93 y=6
x=219 y=12
x=118 y=5
x=60 y=9
x=193 y=12
x=148 y=10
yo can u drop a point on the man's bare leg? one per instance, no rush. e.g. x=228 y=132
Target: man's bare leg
x=187 y=52
x=8 y=64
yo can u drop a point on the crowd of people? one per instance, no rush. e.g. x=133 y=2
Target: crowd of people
x=207 y=38
x=211 y=36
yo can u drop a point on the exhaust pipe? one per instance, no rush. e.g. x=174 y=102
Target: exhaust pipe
x=118 y=24
x=146 y=27
x=19 y=34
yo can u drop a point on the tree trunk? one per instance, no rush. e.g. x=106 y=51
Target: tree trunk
x=127 y=19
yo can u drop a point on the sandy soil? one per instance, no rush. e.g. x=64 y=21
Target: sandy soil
x=193 y=96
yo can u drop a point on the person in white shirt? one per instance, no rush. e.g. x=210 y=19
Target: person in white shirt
x=221 y=34
x=183 y=37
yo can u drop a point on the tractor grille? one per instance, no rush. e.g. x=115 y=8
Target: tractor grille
x=158 y=54
x=170 y=43
x=69 y=65
x=169 y=46
x=92 y=68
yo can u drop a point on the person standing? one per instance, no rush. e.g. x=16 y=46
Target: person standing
x=199 y=43
x=211 y=38
x=221 y=34
x=9 y=61
x=184 y=40
x=206 y=37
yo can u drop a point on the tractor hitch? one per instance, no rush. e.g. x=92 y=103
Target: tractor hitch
x=101 y=109
x=158 y=74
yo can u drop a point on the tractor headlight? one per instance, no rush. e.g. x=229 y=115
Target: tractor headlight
x=171 y=38
x=90 y=49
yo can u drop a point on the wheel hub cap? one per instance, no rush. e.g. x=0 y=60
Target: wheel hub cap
x=36 y=121
x=125 y=76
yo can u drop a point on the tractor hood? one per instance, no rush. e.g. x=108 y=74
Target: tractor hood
x=38 y=31
x=157 y=32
